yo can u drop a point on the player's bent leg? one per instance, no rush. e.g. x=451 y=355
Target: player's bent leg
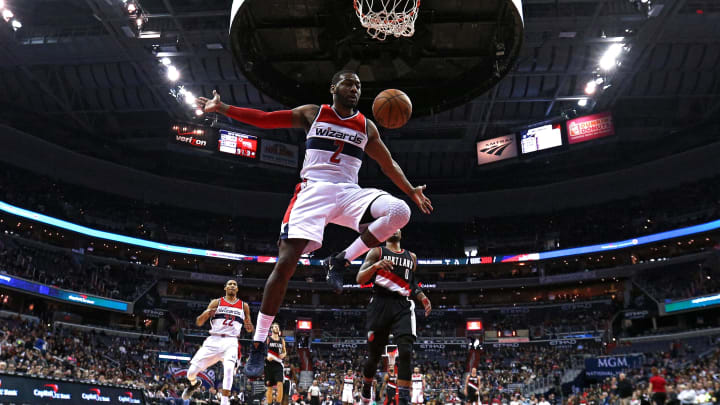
x=228 y=371
x=279 y=392
x=404 y=344
x=194 y=383
x=274 y=293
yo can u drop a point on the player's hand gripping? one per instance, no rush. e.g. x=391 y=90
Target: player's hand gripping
x=210 y=105
x=419 y=198
x=382 y=264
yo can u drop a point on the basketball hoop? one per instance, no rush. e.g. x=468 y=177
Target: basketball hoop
x=391 y=352
x=387 y=17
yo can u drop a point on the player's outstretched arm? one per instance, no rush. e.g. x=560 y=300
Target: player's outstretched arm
x=377 y=150
x=300 y=117
x=372 y=264
x=208 y=313
x=248 y=321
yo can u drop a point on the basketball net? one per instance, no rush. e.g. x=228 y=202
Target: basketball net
x=387 y=17
x=391 y=356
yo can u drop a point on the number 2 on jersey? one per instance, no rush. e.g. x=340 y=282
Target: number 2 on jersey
x=228 y=322
x=340 y=145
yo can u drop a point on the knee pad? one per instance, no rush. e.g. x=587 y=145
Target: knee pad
x=391 y=213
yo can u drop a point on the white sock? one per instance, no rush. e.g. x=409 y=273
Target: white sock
x=356 y=249
x=224 y=400
x=263 y=326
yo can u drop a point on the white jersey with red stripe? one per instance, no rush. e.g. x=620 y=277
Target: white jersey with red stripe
x=417 y=382
x=228 y=319
x=334 y=147
x=348 y=382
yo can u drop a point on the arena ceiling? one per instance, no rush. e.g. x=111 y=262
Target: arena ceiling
x=82 y=64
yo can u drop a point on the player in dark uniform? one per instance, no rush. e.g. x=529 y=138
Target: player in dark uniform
x=472 y=388
x=391 y=310
x=390 y=387
x=274 y=364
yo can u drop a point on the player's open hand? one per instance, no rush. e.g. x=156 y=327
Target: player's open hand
x=383 y=264
x=427 y=305
x=419 y=198
x=209 y=105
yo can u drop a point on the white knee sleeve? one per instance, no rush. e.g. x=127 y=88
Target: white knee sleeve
x=391 y=213
x=228 y=372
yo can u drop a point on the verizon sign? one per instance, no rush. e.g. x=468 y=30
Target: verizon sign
x=496 y=149
x=590 y=127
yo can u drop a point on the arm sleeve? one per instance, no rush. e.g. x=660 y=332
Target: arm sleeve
x=261 y=119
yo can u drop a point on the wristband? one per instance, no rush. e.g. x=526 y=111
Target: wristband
x=425 y=301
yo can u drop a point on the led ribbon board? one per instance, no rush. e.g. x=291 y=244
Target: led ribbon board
x=32 y=287
x=525 y=257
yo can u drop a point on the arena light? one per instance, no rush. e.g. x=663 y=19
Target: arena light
x=172 y=73
x=131 y=8
x=139 y=22
x=190 y=99
x=198 y=112
x=165 y=61
x=7 y=15
x=609 y=58
x=16 y=25
x=582 y=102
x=2 y=4
x=590 y=87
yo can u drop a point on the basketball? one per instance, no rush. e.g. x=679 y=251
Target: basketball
x=392 y=108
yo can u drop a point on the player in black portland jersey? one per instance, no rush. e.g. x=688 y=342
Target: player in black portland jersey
x=472 y=388
x=276 y=352
x=391 y=310
x=390 y=383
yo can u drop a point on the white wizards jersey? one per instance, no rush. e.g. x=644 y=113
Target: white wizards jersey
x=228 y=319
x=348 y=383
x=417 y=383
x=334 y=147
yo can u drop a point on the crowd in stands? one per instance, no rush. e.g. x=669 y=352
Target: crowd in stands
x=689 y=204
x=71 y=271
x=682 y=281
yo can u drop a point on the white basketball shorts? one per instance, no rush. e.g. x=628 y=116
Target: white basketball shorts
x=347 y=396
x=417 y=397
x=317 y=203
x=214 y=349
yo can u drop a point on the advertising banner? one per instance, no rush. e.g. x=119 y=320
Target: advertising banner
x=30 y=390
x=279 y=153
x=496 y=149
x=590 y=127
x=611 y=365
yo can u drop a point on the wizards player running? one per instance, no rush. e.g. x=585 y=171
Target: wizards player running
x=227 y=316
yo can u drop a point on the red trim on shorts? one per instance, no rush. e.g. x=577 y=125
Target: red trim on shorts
x=286 y=218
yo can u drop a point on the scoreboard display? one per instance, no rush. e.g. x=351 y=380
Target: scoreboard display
x=540 y=138
x=236 y=143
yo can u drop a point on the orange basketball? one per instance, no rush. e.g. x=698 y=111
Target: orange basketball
x=392 y=108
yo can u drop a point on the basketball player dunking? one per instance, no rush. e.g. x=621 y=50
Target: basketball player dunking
x=390 y=383
x=391 y=310
x=227 y=316
x=338 y=135
x=274 y=364
x=472 y=388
